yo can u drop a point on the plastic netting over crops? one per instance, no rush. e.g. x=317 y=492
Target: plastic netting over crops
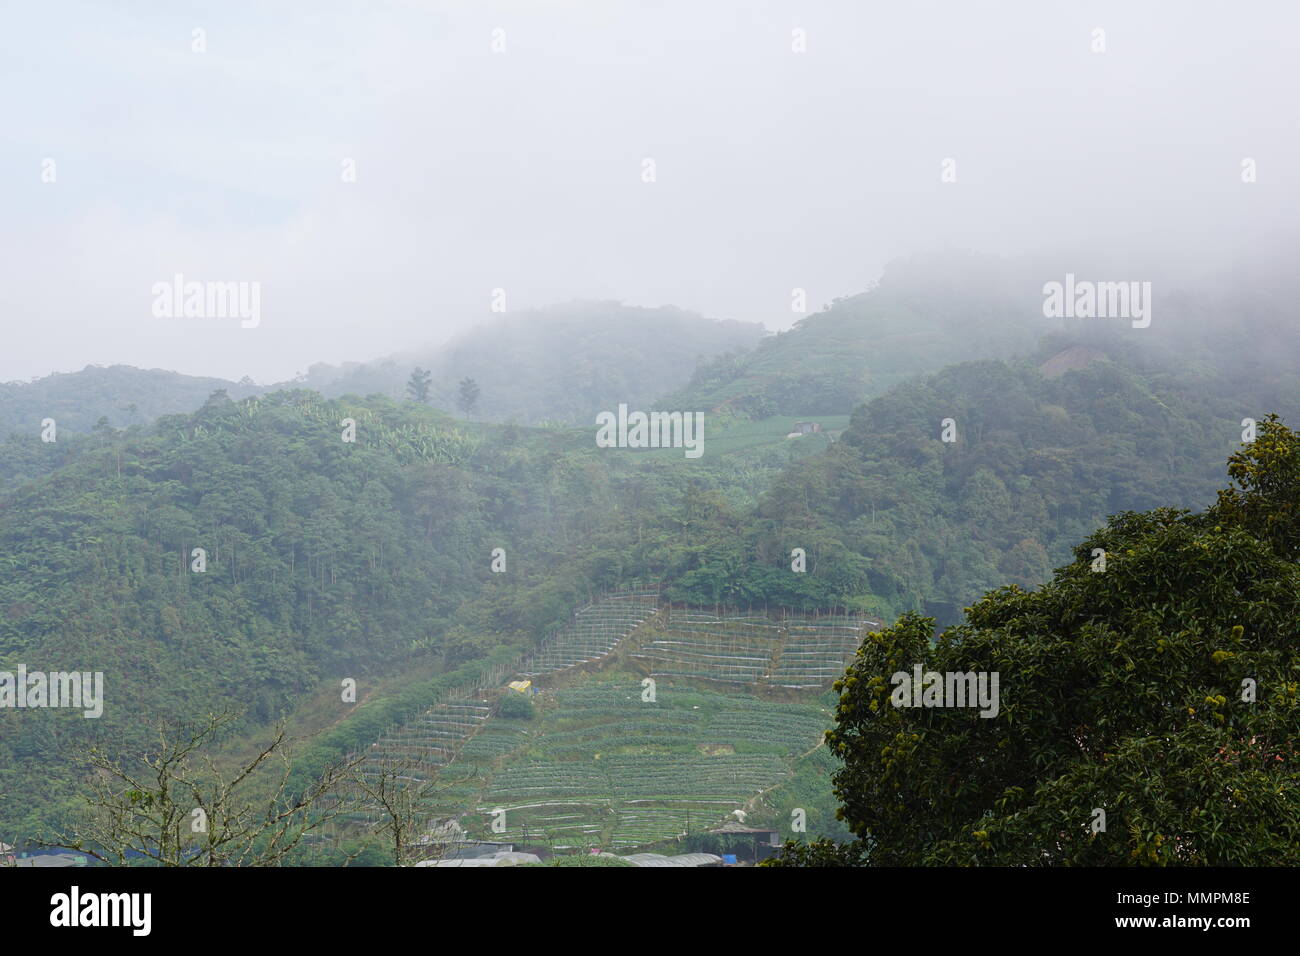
x=751 y=649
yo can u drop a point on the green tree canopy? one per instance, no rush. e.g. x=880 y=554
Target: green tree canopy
x=1161 y=691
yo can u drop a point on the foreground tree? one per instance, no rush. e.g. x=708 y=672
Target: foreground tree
x=1148 y=702
x=177 y=806
x=393 y=797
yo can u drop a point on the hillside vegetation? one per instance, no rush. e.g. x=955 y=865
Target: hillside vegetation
x=561 y=365
x=894 y=518
x=325 y=559
x=924 y=314
x=1149 y=702
x=120 y=394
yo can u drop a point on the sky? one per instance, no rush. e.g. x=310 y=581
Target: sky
x=504 y=146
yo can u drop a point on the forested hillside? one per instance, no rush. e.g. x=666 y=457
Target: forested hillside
x=895 y=518
x=325 y=558
x=925 y=313
x=120 y=394
x=563 y=364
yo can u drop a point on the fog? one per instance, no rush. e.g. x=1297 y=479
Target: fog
x=522 y=168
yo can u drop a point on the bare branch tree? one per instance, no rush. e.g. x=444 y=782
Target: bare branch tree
x=177 y=807
x=397 y=795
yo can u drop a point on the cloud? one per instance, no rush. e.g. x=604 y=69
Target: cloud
x=522 y=170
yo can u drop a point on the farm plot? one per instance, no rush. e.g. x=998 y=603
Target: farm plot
x=601 y=764
x=415 y=757
x=815 y=653
x=707 y=647
x=426 y=742
x=750 y=649
x=607 y=768
x=593 y=633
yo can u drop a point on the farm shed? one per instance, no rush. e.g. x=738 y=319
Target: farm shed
x=658 y=859
x=805 y=428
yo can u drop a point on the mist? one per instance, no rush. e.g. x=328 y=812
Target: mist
x=389 y=172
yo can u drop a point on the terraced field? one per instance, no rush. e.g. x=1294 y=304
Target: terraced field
x=419 y=751
x=600 y=766
x=416 y=752
x=815 y=652
x=429 y=741
x=796 y=653
x=594 y=632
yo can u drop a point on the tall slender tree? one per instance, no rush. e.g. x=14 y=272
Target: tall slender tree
x=417 y=386
x=468 y=398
